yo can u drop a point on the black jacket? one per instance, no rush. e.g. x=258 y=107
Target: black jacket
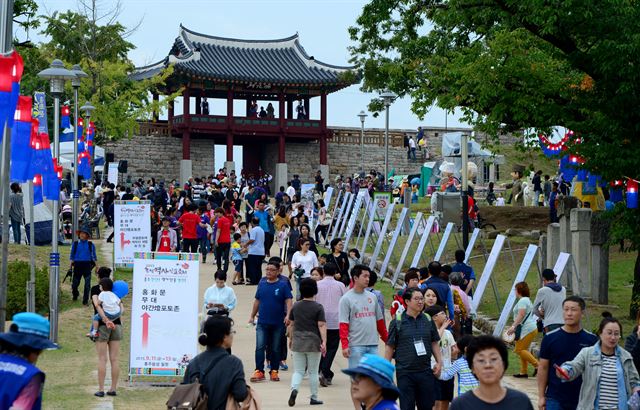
x=227 y=376
x=632 y=346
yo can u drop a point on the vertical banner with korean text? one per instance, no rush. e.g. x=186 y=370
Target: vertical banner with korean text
x=132 y=230
x=164 y=313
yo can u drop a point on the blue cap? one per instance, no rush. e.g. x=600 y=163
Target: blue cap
x=29 y=330
x=379 y=370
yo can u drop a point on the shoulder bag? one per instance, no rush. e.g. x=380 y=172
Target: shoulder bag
x=191 y=396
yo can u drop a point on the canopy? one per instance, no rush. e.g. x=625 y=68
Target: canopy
x=66 y=155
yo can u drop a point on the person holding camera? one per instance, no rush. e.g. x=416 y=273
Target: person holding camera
x=219 y=295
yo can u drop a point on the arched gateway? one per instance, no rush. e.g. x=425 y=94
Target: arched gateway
x=275 y=72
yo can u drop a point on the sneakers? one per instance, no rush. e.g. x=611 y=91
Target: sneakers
x=257 y=376
x=315 y=402
x=292 y=397
x=283 y=366
x=273 y=375
x=521 y=375
x=323 y=381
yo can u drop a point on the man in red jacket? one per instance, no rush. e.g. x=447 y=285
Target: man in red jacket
x=189 y=222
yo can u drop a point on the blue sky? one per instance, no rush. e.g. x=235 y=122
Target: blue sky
x=321 y=24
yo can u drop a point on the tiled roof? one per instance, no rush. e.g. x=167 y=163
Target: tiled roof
x=274 y=62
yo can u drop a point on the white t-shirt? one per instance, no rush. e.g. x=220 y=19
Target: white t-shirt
x=306 y=262
x=412 y=143
x=291 y=191
x=110 y=302
x=500 y=201
x=446 y=343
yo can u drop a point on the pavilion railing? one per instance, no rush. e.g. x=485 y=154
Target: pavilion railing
x=160 y=127
x=371 y=137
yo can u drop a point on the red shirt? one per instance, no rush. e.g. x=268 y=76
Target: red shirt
x=165 y=242
x=189 y=223
x=473 y=215
x=224 y=227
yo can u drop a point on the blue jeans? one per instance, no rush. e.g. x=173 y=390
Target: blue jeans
x=553 y=404
x=268 y=335
x=109 y=316
x=15 y=227
x=356 y=353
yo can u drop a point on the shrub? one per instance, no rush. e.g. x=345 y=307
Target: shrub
x=19 y=273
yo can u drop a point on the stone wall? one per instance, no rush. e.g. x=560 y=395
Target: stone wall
x=159 y=155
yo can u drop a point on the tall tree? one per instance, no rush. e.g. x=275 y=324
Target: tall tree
x=96 y=40
x=517 y=64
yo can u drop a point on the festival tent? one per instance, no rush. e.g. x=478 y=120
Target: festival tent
x=451 y=151
x=66 y=155
x=42 y=216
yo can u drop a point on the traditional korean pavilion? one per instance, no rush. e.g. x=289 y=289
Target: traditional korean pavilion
x=276 y=72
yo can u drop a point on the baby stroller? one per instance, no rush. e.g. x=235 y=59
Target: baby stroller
x=67 y=224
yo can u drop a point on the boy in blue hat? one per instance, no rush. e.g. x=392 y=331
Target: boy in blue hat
x=372 y=383
x=21 y=382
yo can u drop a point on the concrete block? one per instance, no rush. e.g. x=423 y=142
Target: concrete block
x=565 y=246
x=580 y=219
x=581 y=250
x=186 y=170
x=280 y=177
x=553 y=244
x=230 y=166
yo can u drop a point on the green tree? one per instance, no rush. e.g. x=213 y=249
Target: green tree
x=518 y=64
x=98 y=42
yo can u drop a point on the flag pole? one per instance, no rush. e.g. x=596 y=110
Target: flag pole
x=6 y=39
x=31 y=285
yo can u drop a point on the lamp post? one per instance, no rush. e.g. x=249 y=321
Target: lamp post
x=362 y=116
x=75 y=196
x=464 y=152
x=57 y=76
x=387 y=97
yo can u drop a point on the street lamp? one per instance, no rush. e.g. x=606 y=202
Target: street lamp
x=362 y=116
x=57 y=76
x=387 y=98
x=75 y=83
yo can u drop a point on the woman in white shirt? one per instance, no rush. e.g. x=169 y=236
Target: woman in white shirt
x=303 y=260
x=219 y=295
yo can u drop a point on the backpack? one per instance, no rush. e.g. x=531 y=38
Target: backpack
x=191 y=396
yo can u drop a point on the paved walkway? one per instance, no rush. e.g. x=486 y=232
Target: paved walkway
x=274 y=395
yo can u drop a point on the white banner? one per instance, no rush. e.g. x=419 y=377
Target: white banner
x=132 y=230
x=164 y=314
x=522 y=273
x=327 y=197
x=355 y=215
x=112 y=173
x=487 y=271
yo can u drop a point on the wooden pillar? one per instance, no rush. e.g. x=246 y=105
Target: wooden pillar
x=198 y=104
x=156 y=99
x=281 y=144
x=170 y=113
x=229 y=146
x=323 y=149
x=290 y=108
x=323 y=110
x=306 y=107
x=186 y=95
x=186 y=145
x=281 y=108
x=246 y=112
x=229 y=108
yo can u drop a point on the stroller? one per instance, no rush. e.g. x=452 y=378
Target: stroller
x=67 y=224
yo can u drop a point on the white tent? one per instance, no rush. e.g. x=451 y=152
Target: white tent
x=66 y=155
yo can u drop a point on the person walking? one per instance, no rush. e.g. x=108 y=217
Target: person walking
x=219 y=295
x=329 y=293
x=631 y=344
x=222 y=239
x=553 y=210
x=412 y=349
x=16 y=211
x=609 y=377
x=372 y=385
x=412 y=149
x=466 y=270
x=272 y=304
x=340 y=258
x=360 y=316
x=83 y=260
x=524 y=328
x=167 y=239
x=108 y=340
x=21 y=382
x=265 y=217
x=548 y=302
x=303 y=261
x=255 y=252
x=489 y=359
x=189 y=222
x=308 y=340
x=441 y=287
x=557 y=347
x=229 y=379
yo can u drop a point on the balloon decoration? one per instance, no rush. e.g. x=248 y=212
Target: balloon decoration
x=552 y=149
x=120 y=288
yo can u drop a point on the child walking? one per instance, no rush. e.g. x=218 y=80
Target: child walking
x=444 y=389
x=466 y=380
x=236 y=259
